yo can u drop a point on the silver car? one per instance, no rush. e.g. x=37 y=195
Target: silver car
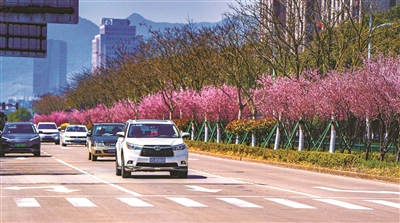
x=49 y=132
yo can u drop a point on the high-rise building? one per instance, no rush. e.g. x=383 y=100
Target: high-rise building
x=50 y=73
x=114 y=33
x=302 y=17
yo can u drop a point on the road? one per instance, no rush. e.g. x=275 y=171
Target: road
x=62 y=185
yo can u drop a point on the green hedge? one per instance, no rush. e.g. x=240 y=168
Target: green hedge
x=334 y=161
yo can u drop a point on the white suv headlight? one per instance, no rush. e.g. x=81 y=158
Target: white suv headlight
x=133 y=146
x=179 y=147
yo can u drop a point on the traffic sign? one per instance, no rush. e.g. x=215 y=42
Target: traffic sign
x=40 y=11
x=23 y=32
x=23 y=40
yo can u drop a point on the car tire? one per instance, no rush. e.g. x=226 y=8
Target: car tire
x=57 y=142
x=37 y=153
x=90 y=156
x=2 y=154
x=124 y=173
x=173 y=173
x=63 y=144
x=117 y=168
x=183 y=174
x=94 y=158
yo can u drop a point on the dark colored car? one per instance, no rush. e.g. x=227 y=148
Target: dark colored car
x=101 y=139
x=20 y=137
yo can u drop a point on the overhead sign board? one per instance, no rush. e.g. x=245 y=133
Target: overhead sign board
x=23 y=40
x=40 y=11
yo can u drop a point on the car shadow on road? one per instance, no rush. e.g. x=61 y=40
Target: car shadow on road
x=190 y=176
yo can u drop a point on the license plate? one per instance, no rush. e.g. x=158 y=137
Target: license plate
x=20 y=145
x=111 y=150
x=157 y=160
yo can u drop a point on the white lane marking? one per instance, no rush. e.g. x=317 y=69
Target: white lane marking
x=22 y=158
x=60 y=189
x=240 y=203
x=186 y=202
x=256 y=184
x=134 y=202
x=290 y=203
x=387 y=203
x=202 y=189
x=101 y=180
x=81 y=202
x=343 y=204
x=193 y=159
x=358 y=191
x=26 y=202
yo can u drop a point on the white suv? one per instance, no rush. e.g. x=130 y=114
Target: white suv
x=151 y=145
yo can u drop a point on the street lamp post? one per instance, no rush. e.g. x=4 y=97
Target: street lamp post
x=370 y=34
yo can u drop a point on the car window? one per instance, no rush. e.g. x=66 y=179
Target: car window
x=47 y=126
x=75 y=129
x=101 y=130
x=20 y=128
x=153 y=130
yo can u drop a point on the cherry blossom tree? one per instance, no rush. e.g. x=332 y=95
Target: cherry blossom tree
x=378 y=98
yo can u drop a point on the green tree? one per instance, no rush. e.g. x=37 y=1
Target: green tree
x=49 y=103
x=21 y=115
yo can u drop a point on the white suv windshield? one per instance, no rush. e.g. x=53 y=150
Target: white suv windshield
x=152 y=130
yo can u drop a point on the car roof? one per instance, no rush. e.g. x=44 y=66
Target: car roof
x=19 y=123
x=108 y=123
x=76 y=125
x=46 y=123
x=151 y=121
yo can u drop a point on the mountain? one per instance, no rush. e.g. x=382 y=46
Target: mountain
x=138 y=21
x=16 y=74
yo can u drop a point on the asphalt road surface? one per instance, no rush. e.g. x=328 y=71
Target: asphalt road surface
x=62 y=185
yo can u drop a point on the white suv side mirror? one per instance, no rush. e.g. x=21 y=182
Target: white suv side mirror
x=120 y=134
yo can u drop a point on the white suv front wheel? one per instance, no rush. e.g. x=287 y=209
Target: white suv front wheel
x=179 y=174
x=124 y=173
x=117 y=168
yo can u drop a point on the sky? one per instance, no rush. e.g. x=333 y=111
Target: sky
x=174 y=11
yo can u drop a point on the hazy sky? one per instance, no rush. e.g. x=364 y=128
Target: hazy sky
x=155 y=10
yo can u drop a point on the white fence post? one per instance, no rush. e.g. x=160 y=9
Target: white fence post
x=193 y=133
x=278 y=134
x=206 y=132
x=301 y=137
x=253 y=139
x=218 y=134
x=333 y=137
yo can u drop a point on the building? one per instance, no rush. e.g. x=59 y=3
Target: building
x=313 y=13
x=114 y=33
x=50 y=73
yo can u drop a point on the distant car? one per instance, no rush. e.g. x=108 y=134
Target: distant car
x=49 y=132
x=20 y=137
x=74 y=135
x=151 y=145
x=101 y=139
